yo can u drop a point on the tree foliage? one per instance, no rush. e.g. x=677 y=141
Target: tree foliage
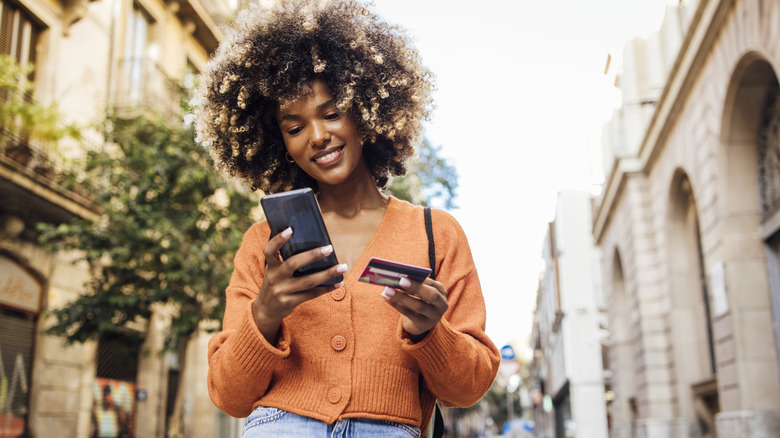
x=431 y=180
x=22 y=118
x=167 y=235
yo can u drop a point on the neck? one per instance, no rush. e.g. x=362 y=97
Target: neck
x=349 y=199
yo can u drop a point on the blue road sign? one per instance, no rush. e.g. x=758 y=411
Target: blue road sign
x=507 y=352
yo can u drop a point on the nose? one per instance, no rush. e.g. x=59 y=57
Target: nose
x=320 y=135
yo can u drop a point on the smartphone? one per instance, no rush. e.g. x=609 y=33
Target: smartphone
x=387 y=273
x=299 y=210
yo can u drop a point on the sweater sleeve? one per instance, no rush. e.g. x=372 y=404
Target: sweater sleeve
x=457 y=359
x=241 y=361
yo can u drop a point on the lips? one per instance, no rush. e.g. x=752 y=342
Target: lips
x=328 y=157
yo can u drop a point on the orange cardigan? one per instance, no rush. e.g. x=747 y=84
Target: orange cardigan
x=344 y=354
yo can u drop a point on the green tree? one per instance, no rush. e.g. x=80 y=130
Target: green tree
x=27 y=127
x=430 y=179
x=166 y=237
x=167 y=234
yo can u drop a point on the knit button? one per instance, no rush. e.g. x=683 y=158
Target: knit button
x=334 y=395
x=338 y=342
x=339 y=294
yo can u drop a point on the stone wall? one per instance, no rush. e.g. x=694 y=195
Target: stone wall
x=696 y=175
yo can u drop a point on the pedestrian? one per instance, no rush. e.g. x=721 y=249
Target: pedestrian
x=326 y=95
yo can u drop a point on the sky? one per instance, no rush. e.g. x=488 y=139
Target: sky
x=520 y=103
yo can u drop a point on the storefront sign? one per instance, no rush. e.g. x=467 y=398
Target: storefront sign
x=19 y=289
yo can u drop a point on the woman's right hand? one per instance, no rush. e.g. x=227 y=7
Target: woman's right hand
x=281 y=292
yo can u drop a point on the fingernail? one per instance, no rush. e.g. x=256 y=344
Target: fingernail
x=388 y=293
x=327 y=249
x=287 y=232
x=339 y=284
x=404 y=282
x=342 y=268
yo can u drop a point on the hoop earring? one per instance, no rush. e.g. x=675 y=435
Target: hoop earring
x=289 y=158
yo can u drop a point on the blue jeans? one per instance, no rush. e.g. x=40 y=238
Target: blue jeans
x=273 y=422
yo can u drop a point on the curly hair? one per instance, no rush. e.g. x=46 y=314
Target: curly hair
x=270 y=59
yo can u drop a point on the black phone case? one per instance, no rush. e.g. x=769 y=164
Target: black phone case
x=299 y=210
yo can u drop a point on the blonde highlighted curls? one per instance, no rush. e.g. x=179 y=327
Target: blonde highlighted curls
x=270 y=58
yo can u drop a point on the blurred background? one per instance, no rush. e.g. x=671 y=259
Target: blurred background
x=615 y=165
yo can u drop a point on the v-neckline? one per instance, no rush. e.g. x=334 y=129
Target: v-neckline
x=353 y=274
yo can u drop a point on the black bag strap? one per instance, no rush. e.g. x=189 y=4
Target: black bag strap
x=438 y=420
x=431 y=243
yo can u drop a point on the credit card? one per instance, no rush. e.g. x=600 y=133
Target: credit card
x=387 y=273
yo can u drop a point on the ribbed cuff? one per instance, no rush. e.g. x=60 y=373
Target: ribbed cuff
x=433 y=351
x=253 y=352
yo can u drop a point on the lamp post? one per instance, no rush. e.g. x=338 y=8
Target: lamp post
x=508 y=368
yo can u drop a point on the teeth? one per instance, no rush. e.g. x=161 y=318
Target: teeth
x=329 y=156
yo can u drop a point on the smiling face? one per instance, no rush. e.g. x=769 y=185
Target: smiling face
x=324 y=142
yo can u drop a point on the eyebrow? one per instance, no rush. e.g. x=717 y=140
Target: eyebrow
x=320 y=107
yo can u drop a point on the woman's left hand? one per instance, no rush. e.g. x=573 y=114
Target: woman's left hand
x=421 y=304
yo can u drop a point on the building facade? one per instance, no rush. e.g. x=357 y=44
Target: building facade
x=568 y=328
x=89 y=56
x=688 y=227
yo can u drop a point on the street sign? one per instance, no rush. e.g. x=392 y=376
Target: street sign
x=509 y=364
x=507 y=352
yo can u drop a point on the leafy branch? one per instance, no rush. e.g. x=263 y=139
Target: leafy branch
x=168 y=232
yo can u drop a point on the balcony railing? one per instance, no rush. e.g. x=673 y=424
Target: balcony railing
x=141 y=85
x=31 y=180
x=28 y=135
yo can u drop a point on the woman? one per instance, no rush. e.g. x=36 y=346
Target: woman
x=323 y=94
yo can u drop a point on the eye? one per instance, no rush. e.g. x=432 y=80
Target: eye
x=295 y=130
x=332 y=116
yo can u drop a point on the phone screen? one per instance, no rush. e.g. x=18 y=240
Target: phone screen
x=299 y=210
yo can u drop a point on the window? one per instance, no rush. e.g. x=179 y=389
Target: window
x=135 y=54
x=18 y=34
